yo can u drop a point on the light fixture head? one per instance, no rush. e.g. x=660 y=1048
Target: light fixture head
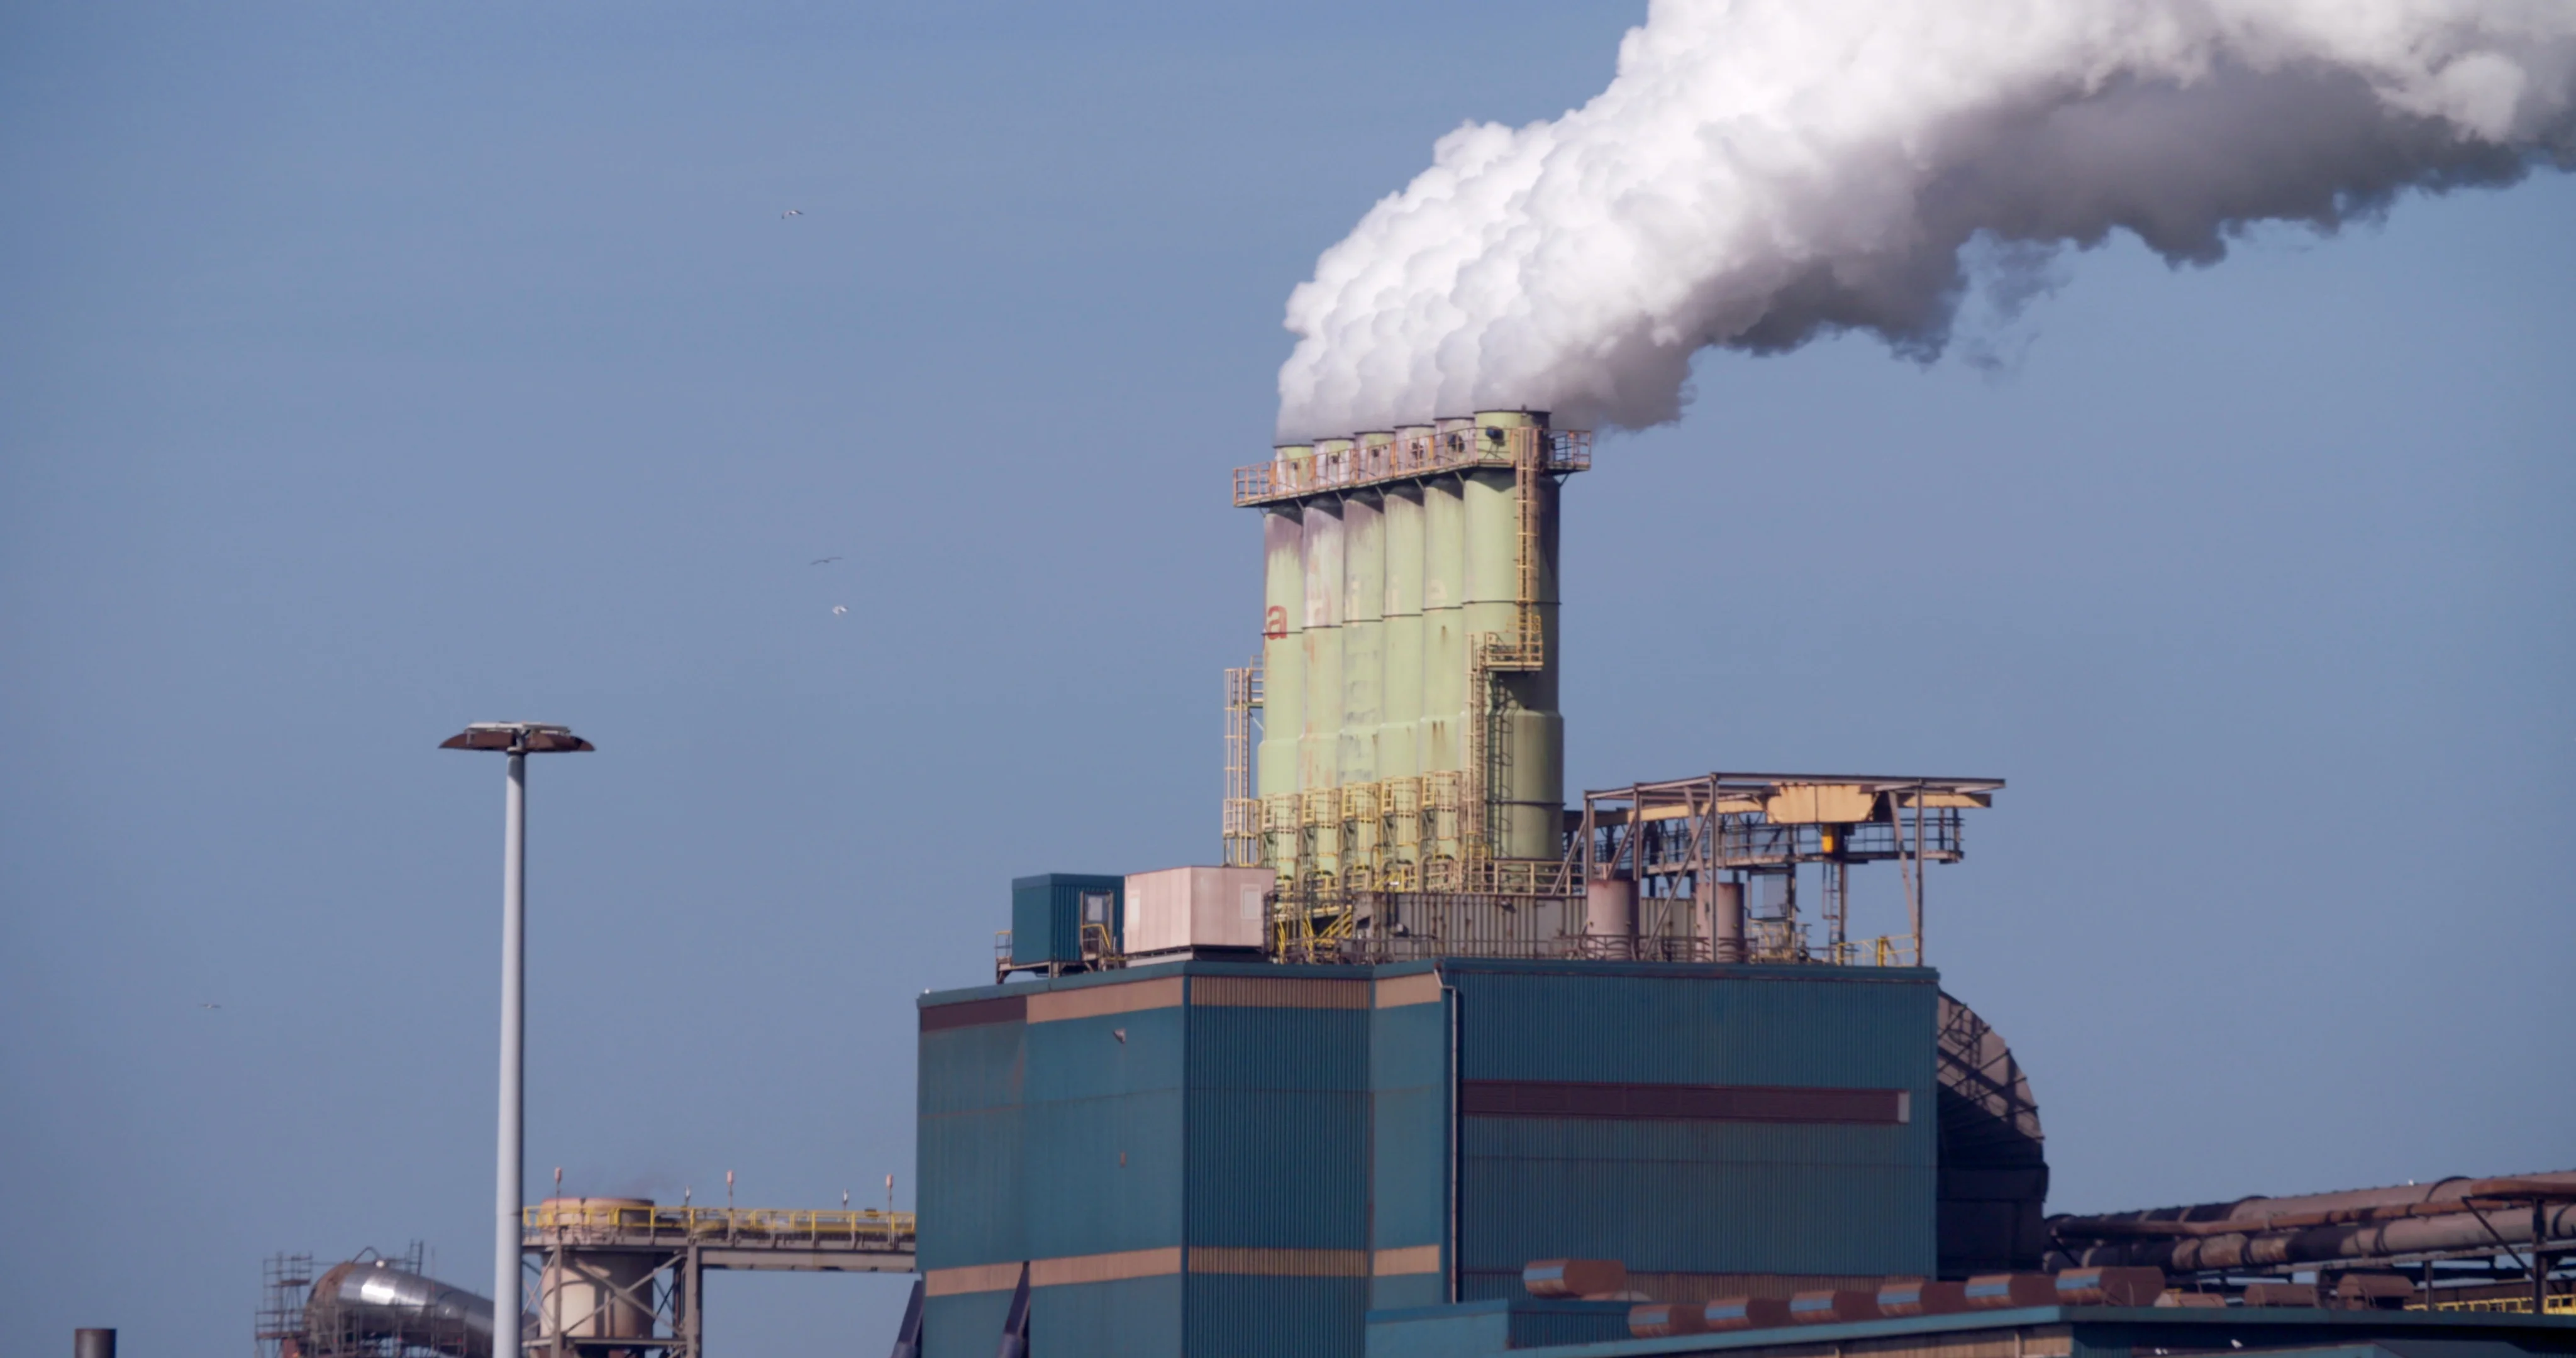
x=517 y=737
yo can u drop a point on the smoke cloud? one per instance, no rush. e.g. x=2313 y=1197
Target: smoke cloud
x=1763 y=172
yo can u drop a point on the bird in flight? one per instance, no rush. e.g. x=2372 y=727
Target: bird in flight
x=825 y=560
x=791 y=212
x=839 y=609
x=209 y=1004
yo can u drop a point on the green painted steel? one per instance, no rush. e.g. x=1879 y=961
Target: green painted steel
x=1283 y=654
x=1363 y=637
x=1529 y=772
x=1398 y=729
x=1319 y=749
x=1439 y=743
x=1049 y=910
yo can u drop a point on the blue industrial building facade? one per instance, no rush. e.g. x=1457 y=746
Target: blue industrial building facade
x=1243 y=1160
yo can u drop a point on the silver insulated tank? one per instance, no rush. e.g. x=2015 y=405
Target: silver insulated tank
x=369 y=1300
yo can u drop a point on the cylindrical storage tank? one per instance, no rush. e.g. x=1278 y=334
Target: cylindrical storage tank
x=1574 y=1277
x=2110 y=1286
x=1319 y=748
x=595 y=1294
x=1656 y=1319
x=1610 y=914
x=1283 y=655
x=1363 y=630
x=93 y=1344
x=1401 y=693
x=1832 y=1307
x=1922 y=1297
x=1724 y=902
x=1528 y=804
x=1743 y=1313
x=364 y=1301
x=2010 y=1291
x=1438 y=742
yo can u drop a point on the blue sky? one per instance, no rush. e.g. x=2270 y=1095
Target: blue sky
x=368 y=369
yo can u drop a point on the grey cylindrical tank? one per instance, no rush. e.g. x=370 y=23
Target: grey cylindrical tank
x=93 y=1344
x=596 y=1294
x=365 y=1300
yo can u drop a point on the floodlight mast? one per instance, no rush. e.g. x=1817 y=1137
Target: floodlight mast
x=518 y=740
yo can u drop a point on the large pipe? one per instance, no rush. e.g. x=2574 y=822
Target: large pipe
x=1283 y=655
x=1399 y=726
x=1319 y=749
x=364 y=1301
x=2451 y=1216
x=1363 y=628
x=1439 y=744
x=1529 y=793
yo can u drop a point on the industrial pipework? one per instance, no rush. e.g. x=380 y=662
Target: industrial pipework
x=2522 y=1223
x=365 y=1306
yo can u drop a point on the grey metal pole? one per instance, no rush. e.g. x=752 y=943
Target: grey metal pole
x=507 y=1189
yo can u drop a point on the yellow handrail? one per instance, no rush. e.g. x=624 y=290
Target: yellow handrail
x=824 y=1225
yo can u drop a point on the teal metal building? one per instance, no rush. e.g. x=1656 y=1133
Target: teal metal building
x=1211 y=1158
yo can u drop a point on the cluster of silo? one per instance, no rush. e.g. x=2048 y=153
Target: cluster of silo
x=1392 y=557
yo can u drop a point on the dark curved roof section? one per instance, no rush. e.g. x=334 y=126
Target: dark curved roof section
x=1994 y=1161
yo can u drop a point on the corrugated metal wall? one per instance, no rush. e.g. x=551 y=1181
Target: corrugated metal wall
x=966 y=1326
x=1678 y=1196
x=969 y=1139
x=1244 y=1316
x=1103 y=1153
x=1278 y=1127
x=1291 y=1127
x=1130 y=1318
x=1410 y=1136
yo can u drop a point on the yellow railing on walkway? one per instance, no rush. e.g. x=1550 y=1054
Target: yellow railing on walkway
x=2559 y=1304
x=844 y=1228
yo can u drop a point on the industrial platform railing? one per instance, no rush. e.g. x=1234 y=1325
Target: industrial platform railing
x=2560 y=1304
x=1565 y=450
x=818 y=1229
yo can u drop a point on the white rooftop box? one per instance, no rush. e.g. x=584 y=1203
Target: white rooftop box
x=1189 y=908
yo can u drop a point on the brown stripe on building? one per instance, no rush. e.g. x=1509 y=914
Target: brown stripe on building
x=1672 y=1102
x=1420 y=988
x=1104 y=1268
x=950 y=1282
x=1279 y=1263
x=1410 y=1259
x=1095 y=1001
x=1252 y=992
x=1006 y=1009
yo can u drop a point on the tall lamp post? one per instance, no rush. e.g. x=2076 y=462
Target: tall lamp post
x=517 y=739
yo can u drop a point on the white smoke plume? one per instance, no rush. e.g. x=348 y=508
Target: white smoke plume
x=1763 y=172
